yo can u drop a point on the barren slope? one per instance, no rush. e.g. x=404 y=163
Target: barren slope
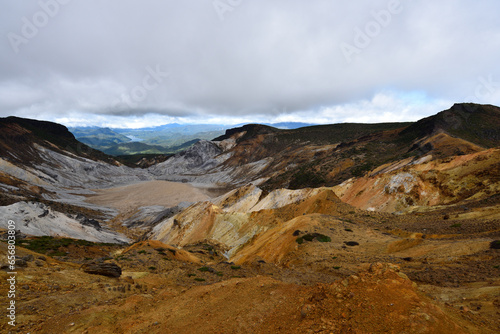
x=57 y=297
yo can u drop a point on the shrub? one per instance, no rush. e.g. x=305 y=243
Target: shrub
x=235 y=267
x=203 y=269
x=46 y=244
x=360 y=170
x=306 y=178
x=58 y=253
x=323 y=238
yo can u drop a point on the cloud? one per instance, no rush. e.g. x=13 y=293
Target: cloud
x=284 y=59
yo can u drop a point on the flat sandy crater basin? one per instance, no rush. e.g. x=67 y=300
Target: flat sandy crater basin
x=130 y=197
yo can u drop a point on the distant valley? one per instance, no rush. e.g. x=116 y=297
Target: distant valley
x=163 y=139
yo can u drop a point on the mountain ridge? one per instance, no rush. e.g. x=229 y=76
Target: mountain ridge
x=22 y=132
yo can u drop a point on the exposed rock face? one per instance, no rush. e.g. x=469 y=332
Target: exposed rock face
x=38 y=219
x=198 y=158
x=408 y=183
x=104 y=269
x=244 y=219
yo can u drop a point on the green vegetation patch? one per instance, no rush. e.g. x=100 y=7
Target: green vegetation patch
x=47 y=244
x=306 y=178
x=360 y=170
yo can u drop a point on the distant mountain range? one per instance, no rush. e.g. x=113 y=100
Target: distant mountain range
x=163 y=139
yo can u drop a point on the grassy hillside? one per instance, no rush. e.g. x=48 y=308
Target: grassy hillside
x=135 y=148
x=364 y=147
x=99 y=138
x=140 y=148
x=478 y=124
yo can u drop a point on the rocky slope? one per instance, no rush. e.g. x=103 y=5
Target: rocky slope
x=316 y=286
x=38 y=219
x=242 y=305
x=43 y=168
x=412 y=184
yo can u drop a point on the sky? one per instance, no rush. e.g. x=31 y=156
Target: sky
x=124 y=63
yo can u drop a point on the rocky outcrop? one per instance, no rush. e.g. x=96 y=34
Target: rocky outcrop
x=104 y=269
x=244 y=216
x=409 y=184
x=197 y=159
x=38 y=219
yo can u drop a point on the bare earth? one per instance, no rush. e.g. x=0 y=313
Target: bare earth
x=131 y=197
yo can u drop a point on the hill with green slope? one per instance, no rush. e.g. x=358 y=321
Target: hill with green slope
x=478 y=124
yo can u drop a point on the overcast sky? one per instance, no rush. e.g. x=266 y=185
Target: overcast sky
x=127 y=63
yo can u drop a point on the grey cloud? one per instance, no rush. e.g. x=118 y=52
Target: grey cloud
x=265 y=58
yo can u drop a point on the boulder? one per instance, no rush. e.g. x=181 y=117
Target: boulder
x=104 y=269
